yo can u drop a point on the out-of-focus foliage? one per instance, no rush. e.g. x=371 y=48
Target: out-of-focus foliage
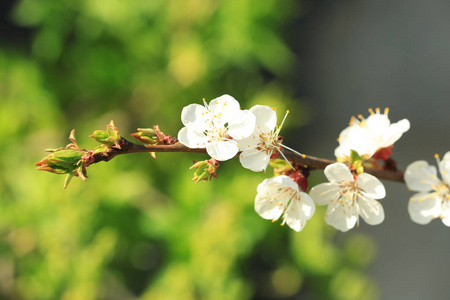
x=139 y=228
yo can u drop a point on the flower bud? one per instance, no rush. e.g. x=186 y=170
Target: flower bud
x=103 y=137
x=154 y=136
x=205 y=169
x=70 y=160
x=110 y=137
x=61 y=161
x=201 y=176
x=112 y=130
x=146 y=136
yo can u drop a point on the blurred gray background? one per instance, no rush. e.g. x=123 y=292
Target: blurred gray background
x=360 y=54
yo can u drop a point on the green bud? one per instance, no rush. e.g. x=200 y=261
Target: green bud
x=205 y=176
x=69 y=160
x=154 y=136
x=146 y=136
x=110 y=137
x=148 y=131
x=101 y=148
x=61 y=161
x=103 y=137
x=199 y=164
x=206 y=169
x=112 y=130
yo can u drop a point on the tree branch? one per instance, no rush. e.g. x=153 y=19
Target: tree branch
x=312 y=162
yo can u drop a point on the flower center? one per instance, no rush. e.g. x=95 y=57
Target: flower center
x=443 y=191
x=269 y=142
x=349 y=191
x=217 y=134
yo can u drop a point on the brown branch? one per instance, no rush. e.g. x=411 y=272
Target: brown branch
x=312 y=162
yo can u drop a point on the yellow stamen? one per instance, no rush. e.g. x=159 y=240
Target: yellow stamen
x=352 y=119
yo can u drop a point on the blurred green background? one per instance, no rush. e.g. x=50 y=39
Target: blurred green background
x=139 y=228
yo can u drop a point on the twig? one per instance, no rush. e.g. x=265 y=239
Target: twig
x=312 y=162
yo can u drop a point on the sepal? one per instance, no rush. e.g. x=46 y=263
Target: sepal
x=356 y=162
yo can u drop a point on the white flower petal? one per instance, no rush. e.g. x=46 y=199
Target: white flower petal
x=241 y=124
x=357 y=138
x=266 y=117
x=378 y=124
x=395 y=132
x=249 y=143
x=223 y=150
x=338 y=172
x=287 y=181
x=341 y=151
x=445 y=209
x=191 y=138
x=223 y=109
x=446 y=221
x=195 y=117
x=371 y=185
x=268 y=209
x=340 y=217
x=294 y=218
x=274 y=195
x=424 y=207
x=370 y=210
x=308 y=206
x=267 y=202
x=254 y=160
x=445 y=212
x=299 y=211
x=421 y=177
x=275 y=183
x=324 y=193
x=446 y=156
x=444 y=167
x=263 y=185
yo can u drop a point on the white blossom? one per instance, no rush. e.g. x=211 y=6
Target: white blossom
x=265 y=141
x=217 y=127
x=347 y=198
x=281 y=194
x=433 y=197
x=367 y=136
